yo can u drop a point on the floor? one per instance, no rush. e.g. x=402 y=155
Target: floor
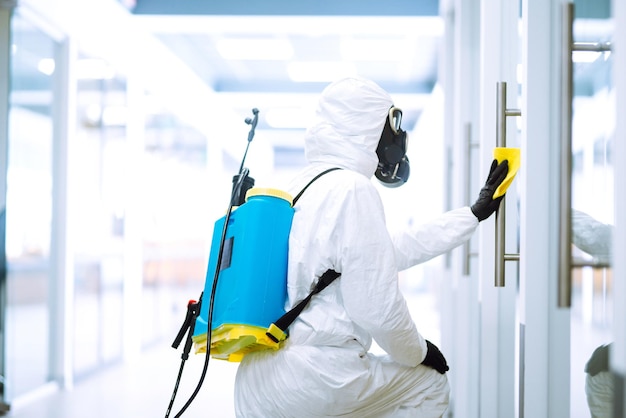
x=143 y=389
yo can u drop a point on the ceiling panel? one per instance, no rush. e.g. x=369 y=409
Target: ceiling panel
x=249 y=60
x=287 y=7
x=274 y=55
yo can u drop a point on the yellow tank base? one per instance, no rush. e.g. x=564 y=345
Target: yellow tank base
x=232 y=342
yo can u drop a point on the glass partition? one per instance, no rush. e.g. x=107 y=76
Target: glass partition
x=593 y=125
x=29 y=208
x=180 y=203
x=98 y=209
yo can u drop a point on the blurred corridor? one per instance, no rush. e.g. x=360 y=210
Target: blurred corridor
x=140 y=389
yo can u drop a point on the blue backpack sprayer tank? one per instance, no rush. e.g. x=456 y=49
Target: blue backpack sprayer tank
x=246 y=278
x=252 y=286
x=247 y=292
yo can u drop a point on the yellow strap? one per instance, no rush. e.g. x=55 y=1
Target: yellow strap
x=276 y=332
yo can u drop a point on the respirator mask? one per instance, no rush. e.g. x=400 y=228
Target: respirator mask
x=393 y=165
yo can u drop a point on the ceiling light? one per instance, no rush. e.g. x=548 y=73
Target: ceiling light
x=255 y=49
x=46 y=66
x=320 y=71
x=379 y=49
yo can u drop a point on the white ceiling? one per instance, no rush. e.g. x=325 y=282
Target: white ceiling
x=212 y=66
x=211 y=62
x=278 y=55
x=280 y=64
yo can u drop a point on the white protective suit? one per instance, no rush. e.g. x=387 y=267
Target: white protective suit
x=592 y=236
x=324 y=368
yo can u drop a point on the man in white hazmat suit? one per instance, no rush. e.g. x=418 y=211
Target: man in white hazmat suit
x=324 y=368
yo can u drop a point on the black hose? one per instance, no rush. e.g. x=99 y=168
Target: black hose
x=242 y=176
x=236 y=191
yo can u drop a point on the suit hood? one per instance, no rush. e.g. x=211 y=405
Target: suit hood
x=349 y=120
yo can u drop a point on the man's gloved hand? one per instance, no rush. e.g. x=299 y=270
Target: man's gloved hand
x=435 y=359
x=599 y=361
x=485 y=204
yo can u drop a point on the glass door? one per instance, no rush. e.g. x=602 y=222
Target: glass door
x=592 y=211
x=99 y=221
x=540 y=357
x=5 y=63
x=567 y=215
x=29 y=209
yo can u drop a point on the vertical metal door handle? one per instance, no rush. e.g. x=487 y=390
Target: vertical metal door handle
x=565 y=172
x=467 y=254
x=568 y=46
x=502 y=113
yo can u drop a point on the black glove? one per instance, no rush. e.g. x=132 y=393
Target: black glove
x=435 y=359
x=599 y=361
x=485 y=204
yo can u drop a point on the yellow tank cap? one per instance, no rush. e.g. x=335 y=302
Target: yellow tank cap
x=264 y=191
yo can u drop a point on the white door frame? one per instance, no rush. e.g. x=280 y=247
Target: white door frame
x=479 y=321
x=6 y=8
x=60 y=319
x=498 y=63
x=460 y=310
x=618 y=356
x=545 y=358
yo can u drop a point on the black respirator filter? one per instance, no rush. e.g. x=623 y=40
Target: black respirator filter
x=393 y=165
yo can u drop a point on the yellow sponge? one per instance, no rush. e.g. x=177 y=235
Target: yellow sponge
x=513 y=156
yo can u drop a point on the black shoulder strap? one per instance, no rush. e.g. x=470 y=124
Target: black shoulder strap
x=295 y=199
x=277 y=331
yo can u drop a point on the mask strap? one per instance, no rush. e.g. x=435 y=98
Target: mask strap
x=395 y=119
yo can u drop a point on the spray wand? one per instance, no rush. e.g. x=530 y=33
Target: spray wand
x=240 y=187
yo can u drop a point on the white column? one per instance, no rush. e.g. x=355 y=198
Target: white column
x=498 y=59
x=545 y=355
x=460 y=305
x=5 y=65
x=62 y=254
x=618 y=355
x=447 y=288
x=133 y=237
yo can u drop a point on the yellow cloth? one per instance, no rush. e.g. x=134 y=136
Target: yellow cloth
x=513 y=156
